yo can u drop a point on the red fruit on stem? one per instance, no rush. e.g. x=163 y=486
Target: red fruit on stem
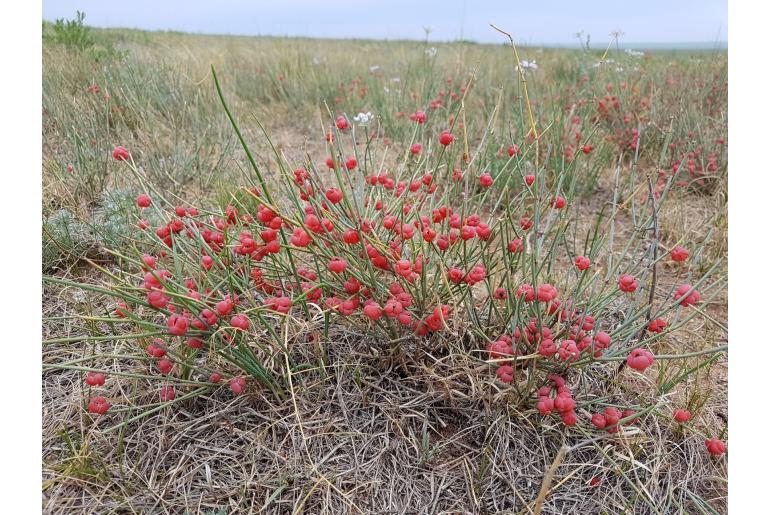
x=167 y=393
x=120 y=154
x=98 y=406
x=95 y=379
x=640 y=359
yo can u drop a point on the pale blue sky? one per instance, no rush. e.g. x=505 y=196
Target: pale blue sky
x=534 y=22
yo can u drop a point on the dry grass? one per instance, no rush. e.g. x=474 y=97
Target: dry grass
x=361 y=438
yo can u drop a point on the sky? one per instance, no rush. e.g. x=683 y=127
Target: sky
x=538 y=22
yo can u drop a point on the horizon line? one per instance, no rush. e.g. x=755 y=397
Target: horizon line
x=599 y=45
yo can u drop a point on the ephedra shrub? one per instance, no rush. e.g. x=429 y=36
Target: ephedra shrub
x=430 y=253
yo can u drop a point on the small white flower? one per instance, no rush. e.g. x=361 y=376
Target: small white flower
x=374 y=68
x=528 y=65
x=431 y=52
x=619 y=69
x=363 y=118
x=386 y=89
x=395 y=79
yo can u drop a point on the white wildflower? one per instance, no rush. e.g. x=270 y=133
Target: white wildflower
x=374 y=68
x=431 y=52
x=528 y=65
x=363 y=118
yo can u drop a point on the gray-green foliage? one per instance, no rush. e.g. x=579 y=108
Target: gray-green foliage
x=110 y=225
x=65 y=239
x=114 y=221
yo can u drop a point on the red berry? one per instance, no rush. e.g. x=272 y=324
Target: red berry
x=582 y=263
x=237 y=384
x=143 y=200
x=657 y=325
x=569 y=418
x=334 y=195
x=373 y=311
x=165 y=366
x=224 y=307
x=178 y=325
x=485 y=180
x=240 y=321
x=505 y=373
x=446 y=138
x=155 y=351
x=687 y=299
x=679 y=254
x=351 y=237
x=167 y=393
x=516 y=245
x=120 y=154
x=627 y=283
x=716 y=447
x=98 y=405
x=337 y=265
x=418 y=117
x=194 y=343
x=342 y=123
x=640 y=359
x=95 y=379
x=149 y=261
x=682 y=415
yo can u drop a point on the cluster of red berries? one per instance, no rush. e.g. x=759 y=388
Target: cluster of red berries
x=562 y=402
x=610 y=418
x=97 y=405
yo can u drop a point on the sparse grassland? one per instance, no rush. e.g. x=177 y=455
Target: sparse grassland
x=374 y=411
